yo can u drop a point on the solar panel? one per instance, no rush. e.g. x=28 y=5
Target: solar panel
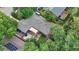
x=11 y=47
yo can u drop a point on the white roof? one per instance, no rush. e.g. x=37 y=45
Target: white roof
x=33 y=30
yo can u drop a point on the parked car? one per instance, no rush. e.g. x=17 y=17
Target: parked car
x=37 y=13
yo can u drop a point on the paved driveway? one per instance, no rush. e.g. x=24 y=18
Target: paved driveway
x=15 y=41
x=6 y=10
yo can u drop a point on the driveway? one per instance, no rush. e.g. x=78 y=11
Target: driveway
x=6 y=10
x=15 y=41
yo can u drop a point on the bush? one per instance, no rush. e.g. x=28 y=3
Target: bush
x=23 y=12
x=58 y=32
x=1 y=48
x=44 y=47
x=34 y=8
x=15 y=15
x=42 y=39
x=30 y=45
x=48 y=15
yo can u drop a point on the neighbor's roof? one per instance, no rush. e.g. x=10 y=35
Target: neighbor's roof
x=57 y=10
x=37 y=22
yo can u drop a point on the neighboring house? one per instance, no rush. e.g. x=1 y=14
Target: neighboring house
x=34 y=25
x=58 y=11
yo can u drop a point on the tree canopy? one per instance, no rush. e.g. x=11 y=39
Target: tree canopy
x=58 y=32
x=30 y=45
x=23 y=12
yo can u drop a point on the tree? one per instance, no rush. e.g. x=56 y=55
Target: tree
x=1 y=36
x=75 y=24
x=30 y=45
x=48 y=15
x=42 y=39
x=1 y=45
x=11 y=32
x=58 y=35
x=58 y=32
x=1 y=48
x=72 y=40
x=52 y=46
x=34 y=8
x=44 y=47
x=22 y=12
x=26 y=12
x=2 y=28
x=74 y=11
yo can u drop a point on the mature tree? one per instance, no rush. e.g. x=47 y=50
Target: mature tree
x=56 y=45
x=42 y=39
x=23 y=12
x=34 y=8
x=58 y=36
x=30 y=45
x=52 y=46
x=44 y=47
x=72 y=40
x=74 y=11
x=26 y=12
x=75 y=23
x=58 y=32
x=11 y=31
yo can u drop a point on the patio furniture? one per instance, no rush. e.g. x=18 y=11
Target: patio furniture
x=11 y=47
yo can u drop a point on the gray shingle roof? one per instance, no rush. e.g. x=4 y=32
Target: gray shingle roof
x=37 y=22
x=57 y=10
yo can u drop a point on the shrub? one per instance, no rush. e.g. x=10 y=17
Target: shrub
x=23 y=12
x=48 y=15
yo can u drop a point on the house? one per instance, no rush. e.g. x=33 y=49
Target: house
x=58 y=11
x=34 y=26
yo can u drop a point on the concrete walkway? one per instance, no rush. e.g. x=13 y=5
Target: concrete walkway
x=6 y=10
